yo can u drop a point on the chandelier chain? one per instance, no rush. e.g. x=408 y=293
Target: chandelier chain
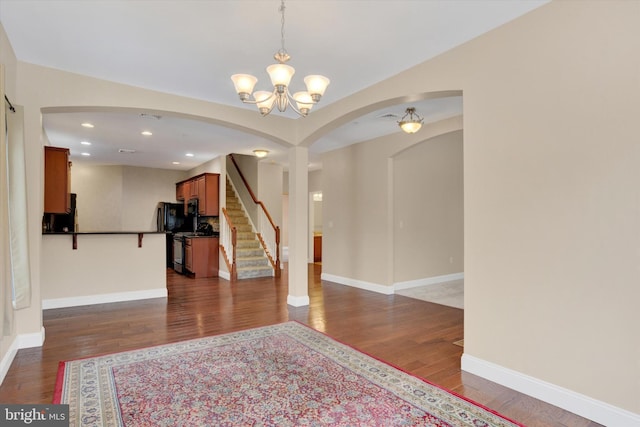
x=282 y=8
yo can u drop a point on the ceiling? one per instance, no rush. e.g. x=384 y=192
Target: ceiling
x=192 y=47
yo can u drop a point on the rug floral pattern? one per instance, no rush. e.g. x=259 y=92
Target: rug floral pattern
x=281 y=375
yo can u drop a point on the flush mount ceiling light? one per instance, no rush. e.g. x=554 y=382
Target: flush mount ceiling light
x=281 y=74
x=146 y=133
x=87 y=125
x=411 y=122
x=260 y=153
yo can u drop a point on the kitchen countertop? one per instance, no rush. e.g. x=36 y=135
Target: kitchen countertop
x=104 y=232
x=197 y=236
x=74 y=235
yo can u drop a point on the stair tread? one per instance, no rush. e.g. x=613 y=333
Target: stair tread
x=248 y=248
x=254 y=268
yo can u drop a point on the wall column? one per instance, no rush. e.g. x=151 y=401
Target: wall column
x=298 y=228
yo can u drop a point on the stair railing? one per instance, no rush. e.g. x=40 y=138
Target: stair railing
x=229 y=237
x=268 y=232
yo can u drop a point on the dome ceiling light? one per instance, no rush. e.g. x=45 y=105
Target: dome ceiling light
x=411 y=122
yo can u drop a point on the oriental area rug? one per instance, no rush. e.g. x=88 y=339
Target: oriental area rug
x=281 y=375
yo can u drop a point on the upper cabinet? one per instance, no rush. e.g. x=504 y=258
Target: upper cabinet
x=208 y=188
x=203 y=187
x=180 y=191
x=57 y=180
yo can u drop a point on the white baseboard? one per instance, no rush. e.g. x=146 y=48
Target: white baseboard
x=103 y=298
x=587 y=407
x=35 y=339
x=7 y=360
x=361 y=284
x=428 y=281
x=298 y=301
x=224 y=275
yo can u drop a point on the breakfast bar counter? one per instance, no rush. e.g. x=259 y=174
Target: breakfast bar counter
x=82 y=268
x=75 y=234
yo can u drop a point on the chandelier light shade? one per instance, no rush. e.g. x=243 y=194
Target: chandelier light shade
x=260 y=153
x=411 y=122
x=281 y=75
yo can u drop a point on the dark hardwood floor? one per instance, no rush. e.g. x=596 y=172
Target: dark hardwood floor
x=414 y=335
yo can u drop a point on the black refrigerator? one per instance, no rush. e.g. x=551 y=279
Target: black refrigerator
x=170 y=218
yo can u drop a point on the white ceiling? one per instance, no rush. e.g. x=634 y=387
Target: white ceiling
x=192 y=47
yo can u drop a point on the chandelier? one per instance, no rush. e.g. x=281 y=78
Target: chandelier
x=412 y=123
x=281 y=74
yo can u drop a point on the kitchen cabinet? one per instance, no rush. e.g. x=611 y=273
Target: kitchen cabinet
x=180 y=191
x=188 y=254
x=205 y=188
x=208 y=200
x=57 y=180
x=194 y=188
x=201 y=256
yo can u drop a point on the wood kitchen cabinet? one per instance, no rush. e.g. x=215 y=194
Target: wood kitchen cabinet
x=201 y=256
x=180 y=191
x=205 y=188
x=194 y=188
x=188 y=254
x=57 y=180
x=208 y=199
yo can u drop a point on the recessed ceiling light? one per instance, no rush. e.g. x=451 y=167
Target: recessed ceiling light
x=85 y=143
x=85 y=154
x=146 y=133
x=190 y=155
x=87 y=125
x=150 y=116
x=176 y=163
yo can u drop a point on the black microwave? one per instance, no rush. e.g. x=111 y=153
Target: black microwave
x=192 y=207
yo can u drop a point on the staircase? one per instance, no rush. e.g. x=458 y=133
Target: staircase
x=251 y=260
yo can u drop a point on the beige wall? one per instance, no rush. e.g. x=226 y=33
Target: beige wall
x=248 y=165
x=121 y=198
x=143 y=188
x=551 y=206
x=358 y=209
x=315 y=181
x=551 y=229
x=427 y=208
x=355 y=213
x=212 y=166
x=99 y=196
x=114 y=266
x=270 y=193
